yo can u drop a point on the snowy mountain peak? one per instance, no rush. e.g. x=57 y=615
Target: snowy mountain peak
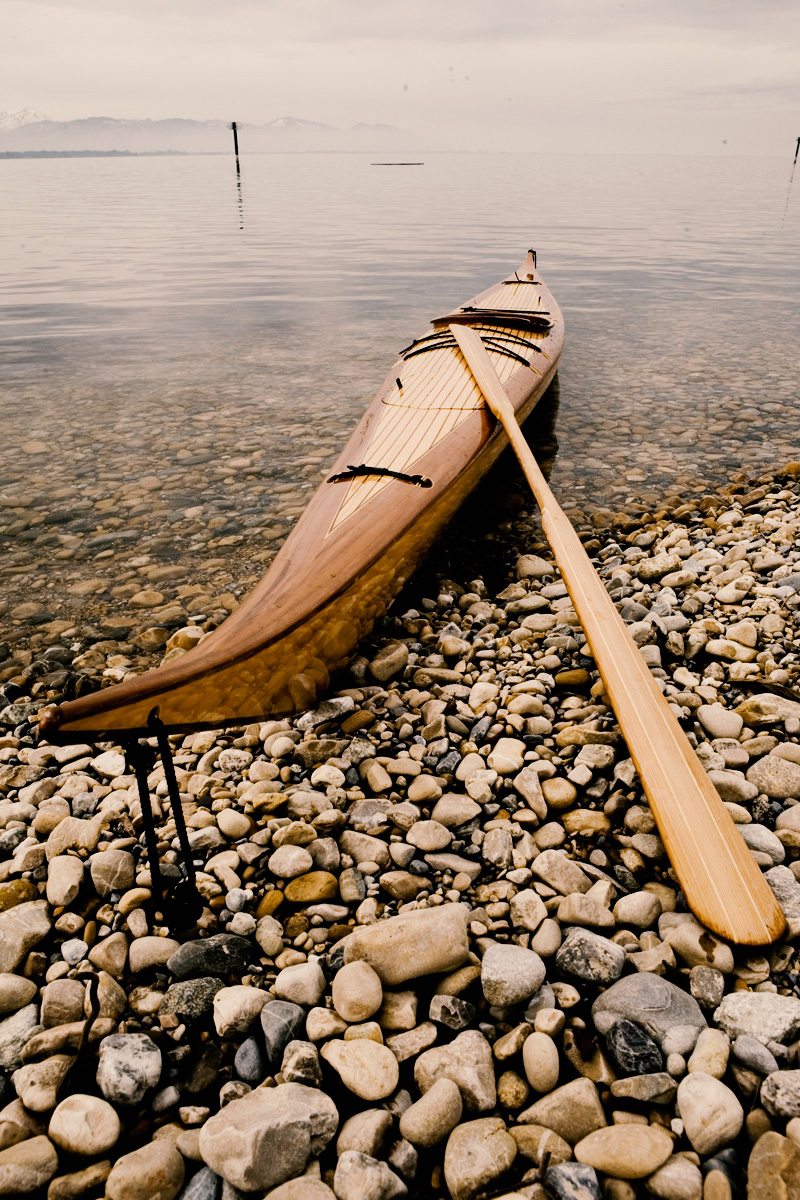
x=295 y=123
x=24 y=116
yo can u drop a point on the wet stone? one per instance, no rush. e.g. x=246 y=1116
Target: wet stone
x=650 y=1001
x=129 y=1065
x=589 y=956
x=191 y=1000
x=510 y=974
x=452 y=1012
x=780 y=1093
x=361 y=1177
x=572 y=1181
x=633 y=1050
x=773 y=1168
x=222 y=954
x=281 y=1022
x=573 y=1111
x=267 y=1137
x=477 y=1152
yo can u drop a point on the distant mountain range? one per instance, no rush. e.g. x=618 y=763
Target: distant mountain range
x=30 y=130
x=25 y=116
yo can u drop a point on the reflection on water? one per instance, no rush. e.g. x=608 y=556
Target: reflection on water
x=175 y=380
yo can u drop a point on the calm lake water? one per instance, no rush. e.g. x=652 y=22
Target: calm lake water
x=159 y=323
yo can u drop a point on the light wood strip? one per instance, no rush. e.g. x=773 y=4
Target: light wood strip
x=433 y=382
x=417 y=439
x=523 y=296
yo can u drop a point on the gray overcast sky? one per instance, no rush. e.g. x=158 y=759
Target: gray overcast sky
x=596 y=75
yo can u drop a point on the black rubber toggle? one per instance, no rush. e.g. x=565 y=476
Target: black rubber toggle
x=362 y=469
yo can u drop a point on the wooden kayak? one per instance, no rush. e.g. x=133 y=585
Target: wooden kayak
x=421 y=447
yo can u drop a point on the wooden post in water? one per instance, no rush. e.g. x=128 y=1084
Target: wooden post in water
x=236 y=145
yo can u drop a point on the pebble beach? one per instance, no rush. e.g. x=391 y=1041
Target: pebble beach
x=441 y=953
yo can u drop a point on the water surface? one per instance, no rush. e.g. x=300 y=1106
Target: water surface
x=182 y=358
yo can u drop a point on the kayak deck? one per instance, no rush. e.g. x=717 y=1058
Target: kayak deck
x=361 y=536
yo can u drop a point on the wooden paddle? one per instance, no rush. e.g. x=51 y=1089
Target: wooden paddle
x=722 y=883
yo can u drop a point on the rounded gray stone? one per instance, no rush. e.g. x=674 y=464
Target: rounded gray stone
x=510 y=974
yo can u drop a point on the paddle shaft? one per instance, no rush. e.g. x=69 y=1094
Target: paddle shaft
x=722 y=883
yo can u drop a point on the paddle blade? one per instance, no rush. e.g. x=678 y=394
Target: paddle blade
x=720 y=879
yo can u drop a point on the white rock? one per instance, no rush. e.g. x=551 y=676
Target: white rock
x=64 y=879
x=109 y=765
x=527 y=910
x=429 y=836
x=678 y=1179
x=510 y=974
x=290 y=861
x=130 y=1064
x=719 y=722
x=269 y=935
x=476 y=1153
x=151 y=951
x=14 y=1033
x=21 y=928
x=711 y=1113
x=711 y=1053
x=540 y=1060
x=507 y=756
x=303 y=983
x=421 y=942
x=361 y=1177
x=766 y=1016
x=366 y=1068
x=467 y=1061
x=357 y=991
x=235 y=1008
x=15 y=992
x=84 y=1125
x=267 y=1137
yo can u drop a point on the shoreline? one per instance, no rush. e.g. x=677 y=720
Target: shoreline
x=469 y=748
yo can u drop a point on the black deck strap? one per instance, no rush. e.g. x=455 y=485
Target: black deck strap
x=438 y=334
x=491 y=343
x=537 y=320
x=363 y=470
x=184 y=904
x=514 y=339
x=498 y=342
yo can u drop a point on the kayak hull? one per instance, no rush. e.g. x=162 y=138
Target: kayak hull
x=356 y=545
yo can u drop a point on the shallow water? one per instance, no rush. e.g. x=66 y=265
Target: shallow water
x=181 y=359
